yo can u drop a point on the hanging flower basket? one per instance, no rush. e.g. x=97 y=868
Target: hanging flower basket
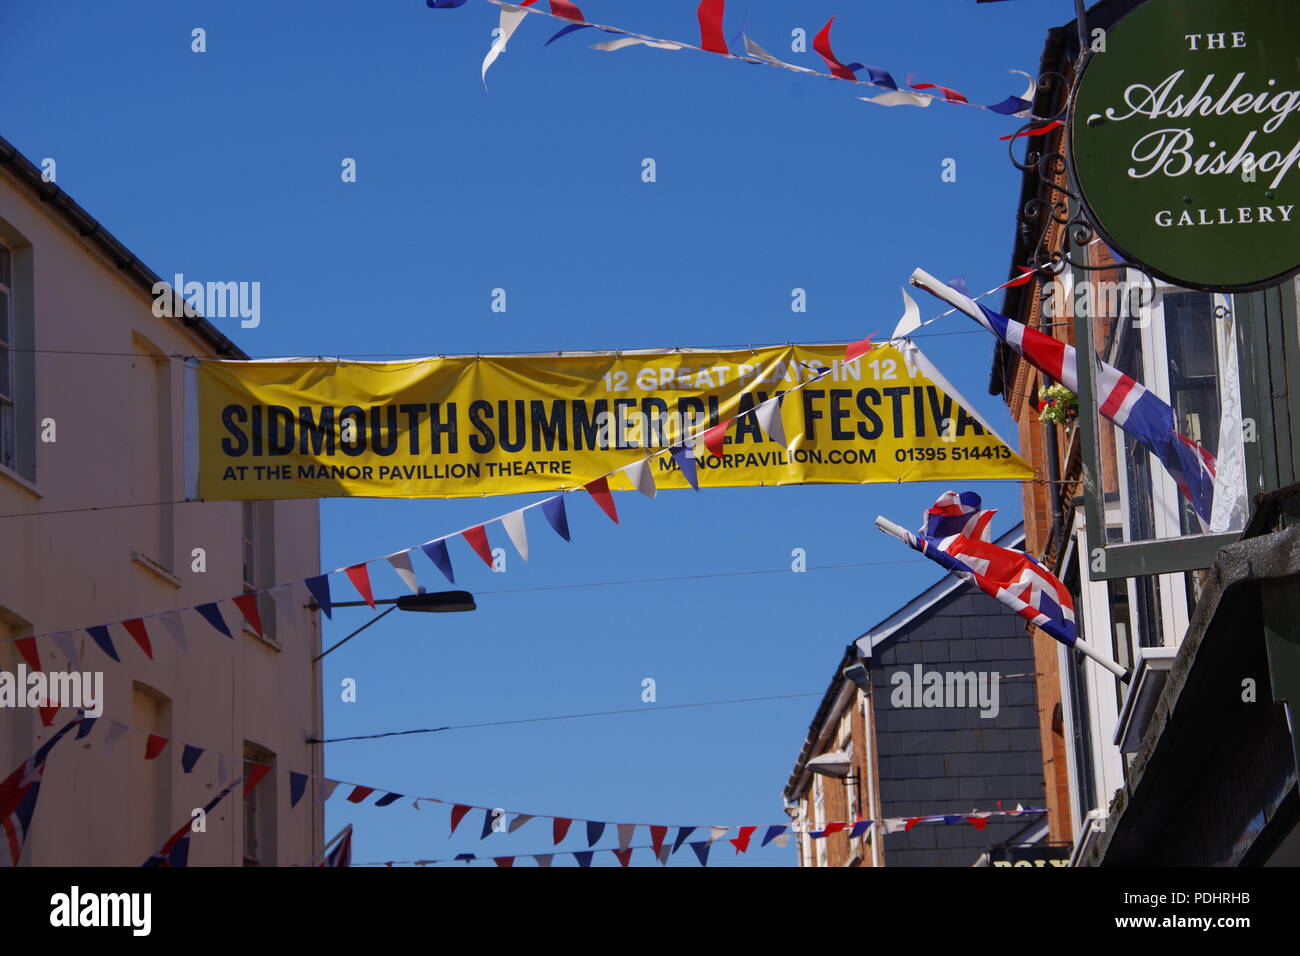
x=1058 y=404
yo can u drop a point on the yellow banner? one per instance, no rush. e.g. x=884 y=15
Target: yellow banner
x=494 y=425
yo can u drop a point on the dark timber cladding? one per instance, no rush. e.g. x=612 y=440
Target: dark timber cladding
x=924 y=754
x=933 y=760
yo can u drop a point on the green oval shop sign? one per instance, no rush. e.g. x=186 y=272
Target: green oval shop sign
x=1185 y=140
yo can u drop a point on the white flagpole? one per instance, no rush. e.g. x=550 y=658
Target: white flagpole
x=902 y=534
x=335 y=839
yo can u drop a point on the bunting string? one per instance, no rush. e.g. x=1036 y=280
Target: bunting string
x=710 y=14
x=244 y=609
x=498 y=820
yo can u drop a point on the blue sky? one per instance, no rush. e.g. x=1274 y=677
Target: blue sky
x=225 y=166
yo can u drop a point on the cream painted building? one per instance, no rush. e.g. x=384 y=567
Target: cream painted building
x=84 y=361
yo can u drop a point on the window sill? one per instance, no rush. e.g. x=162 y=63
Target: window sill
x=20 y=481
x=270 y=642
x=152 y=566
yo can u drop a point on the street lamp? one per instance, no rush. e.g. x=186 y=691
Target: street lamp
x=439 y=602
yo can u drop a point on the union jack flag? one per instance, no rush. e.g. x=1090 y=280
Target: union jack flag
x=341 y=854
x=18 y=794
x=176 y=851
x=1145 y=417
x=1013 y=577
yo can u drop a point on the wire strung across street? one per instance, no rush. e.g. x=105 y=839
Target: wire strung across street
x=538 y=720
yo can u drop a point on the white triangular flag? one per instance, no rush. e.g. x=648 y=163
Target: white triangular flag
x=911 y=320
x=665 y=852
x=543 y=859
x=519 y=820
x=511 y=17
x=1029 y=94
x=717 y=833
x=610 y=46
x=326 y=789
x=898 y=98
x=67 y=645
x=643 y=480
x=175 y=627
x=625 y=833
x=115 y=733
x=758 y=53
x=517 y=530
x=782 y=841
x=282 y=598
x=768 y=414
x=401 y=562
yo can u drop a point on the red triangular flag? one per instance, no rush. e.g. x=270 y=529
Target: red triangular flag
x=822 y=44
x=504 y=860
x=1039 y=131
x=478 y=540
x=657 y=834
x=911 y=822
x=359 y=793
x=715 y=436
x=255 y=774
x=979 y=823
x=359 y=575
x=135 y=627
x=566 y=9
x=741 y=843
x=599 y=491
x=247 y=604
x=153 y=746
x=27 y=647
x=457 y=814
x=624 y=856
x=1026 y=274
x=560 y=828
x=710 y=14
x=859 y=349
x=832 y=828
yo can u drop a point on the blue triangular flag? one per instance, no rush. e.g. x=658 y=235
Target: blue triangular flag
x=594 y=830
x=859 y=828
x=772 y=834
x=297 y=787
x=555 y=513
x=1011 y=105
x=953 y=819
x=99 y=634
x=487 y=824
x=445 y=4
x=682 y=834
x=212 y=614
x=319 y=586
x=86 y=726
x=583 y=857
x=388 y=798
x=701 y=849
x=880 y=77
x=466 y=857
x=190 y=756
x=436 y=551
x=564 y=31
x=687 y=464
